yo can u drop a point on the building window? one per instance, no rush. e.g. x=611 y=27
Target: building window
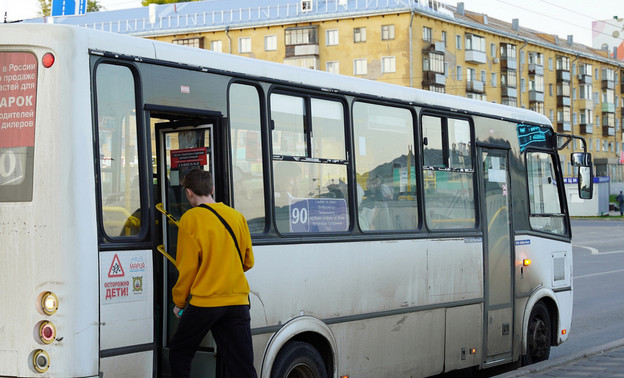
x=331 y=37
x=493 y=80
x=509 y=79
x=508 y=51
x=301 y=36
x=191 y=42
x=550 y=64
x=216 y=46
x=483 y=77
x=550 y=90
x=459 y=72
x=493 y=50
x=433 y=62
x=551 y=115
x=458 y=40
x=444 y=38
x=536 y=58
x=387 y=32
x=536 y=83
x=522 y=84
x=244 y=45
x=388 y=64
x=427 y=37
x=270 y=43
x=563 y=63
x=475 y=42
x=333 y=67
x=359 y=66
x=359 y=35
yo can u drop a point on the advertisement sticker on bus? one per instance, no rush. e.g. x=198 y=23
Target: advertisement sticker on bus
x=121 y=277
x=18 y=93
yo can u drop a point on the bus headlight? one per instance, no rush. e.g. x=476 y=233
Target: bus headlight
x=49 y=303
x=41 y=361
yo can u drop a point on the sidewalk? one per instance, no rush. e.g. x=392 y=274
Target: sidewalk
x=602 y=361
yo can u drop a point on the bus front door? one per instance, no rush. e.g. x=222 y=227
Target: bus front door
x=182 y=145
x=498 y=256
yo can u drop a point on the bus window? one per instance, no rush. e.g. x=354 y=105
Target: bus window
x=118 y=143
x=385 y=167
x=247 y=171
x=448 y=173
x=544 y=202
x=311 y=194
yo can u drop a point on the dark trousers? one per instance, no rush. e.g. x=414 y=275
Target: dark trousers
x=230 y=326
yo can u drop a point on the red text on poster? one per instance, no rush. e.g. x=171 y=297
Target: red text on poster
x=189 y=157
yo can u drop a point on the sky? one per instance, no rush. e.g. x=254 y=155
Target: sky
x=561 y=17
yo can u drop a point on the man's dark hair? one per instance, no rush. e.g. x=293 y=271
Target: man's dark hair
x=199 y=181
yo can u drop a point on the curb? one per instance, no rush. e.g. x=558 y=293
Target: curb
x=564 y=360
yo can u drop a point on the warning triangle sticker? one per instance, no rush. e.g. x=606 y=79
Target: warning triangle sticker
x=116 y=270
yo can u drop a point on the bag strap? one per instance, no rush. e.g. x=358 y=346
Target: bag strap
x=227 y=226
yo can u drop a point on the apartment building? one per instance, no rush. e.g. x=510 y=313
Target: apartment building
x=423 y=44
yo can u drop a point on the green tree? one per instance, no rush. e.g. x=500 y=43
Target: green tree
x=46 y=7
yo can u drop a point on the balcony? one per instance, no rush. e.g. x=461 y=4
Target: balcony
x=563 y=101
x=437 y=46
x=564 y=126
x=475 y=56
x=608 y=84
x=608 y=107
x=563 y=75
x=584 y=103
x=536 y=69
x=535 y=96
x=509 y=91
x=585 y=79
x=587 y=128
x=433 y=78
x=608 y=131
x=475 y=86
x=509 y=63
x=302 y=50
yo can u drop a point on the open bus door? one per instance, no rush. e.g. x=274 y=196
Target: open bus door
x=182 y=144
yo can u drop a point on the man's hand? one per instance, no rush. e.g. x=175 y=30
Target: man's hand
x=177 y=311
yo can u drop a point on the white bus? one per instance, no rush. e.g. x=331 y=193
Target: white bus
x=397 y=232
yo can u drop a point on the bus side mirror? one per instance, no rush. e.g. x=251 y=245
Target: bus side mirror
x=583 y=161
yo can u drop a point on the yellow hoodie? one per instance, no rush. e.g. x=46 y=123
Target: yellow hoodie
x=207 y=260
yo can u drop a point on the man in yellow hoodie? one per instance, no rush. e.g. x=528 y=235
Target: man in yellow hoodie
x=211 y=260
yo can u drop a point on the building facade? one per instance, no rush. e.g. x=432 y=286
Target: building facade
x=420 y=44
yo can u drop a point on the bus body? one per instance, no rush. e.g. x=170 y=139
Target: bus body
x=396 y=232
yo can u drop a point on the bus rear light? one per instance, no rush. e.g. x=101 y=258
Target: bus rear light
x=41 y=361
x=47 y=332
x=526 y=262
x=564 y=331
x=49 y=303
x=47 y=60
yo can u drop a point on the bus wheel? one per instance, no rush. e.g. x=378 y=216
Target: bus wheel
x=298 y=359
x=539 y=335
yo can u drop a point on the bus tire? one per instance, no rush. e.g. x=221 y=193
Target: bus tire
x=298 y=359
x=539 y=335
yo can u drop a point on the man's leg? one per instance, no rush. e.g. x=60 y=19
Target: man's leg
x=193 y=327
x=233 y=336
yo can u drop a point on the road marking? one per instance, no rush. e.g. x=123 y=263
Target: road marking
x=594 y=251
x=600 y=274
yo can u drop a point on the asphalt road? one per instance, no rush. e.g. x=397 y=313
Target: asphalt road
x=598 y=314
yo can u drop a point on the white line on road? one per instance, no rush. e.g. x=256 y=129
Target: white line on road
x=600 y=274
x=594 y=251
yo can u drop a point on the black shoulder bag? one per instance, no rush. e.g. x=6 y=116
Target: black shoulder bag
x=227 y=226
